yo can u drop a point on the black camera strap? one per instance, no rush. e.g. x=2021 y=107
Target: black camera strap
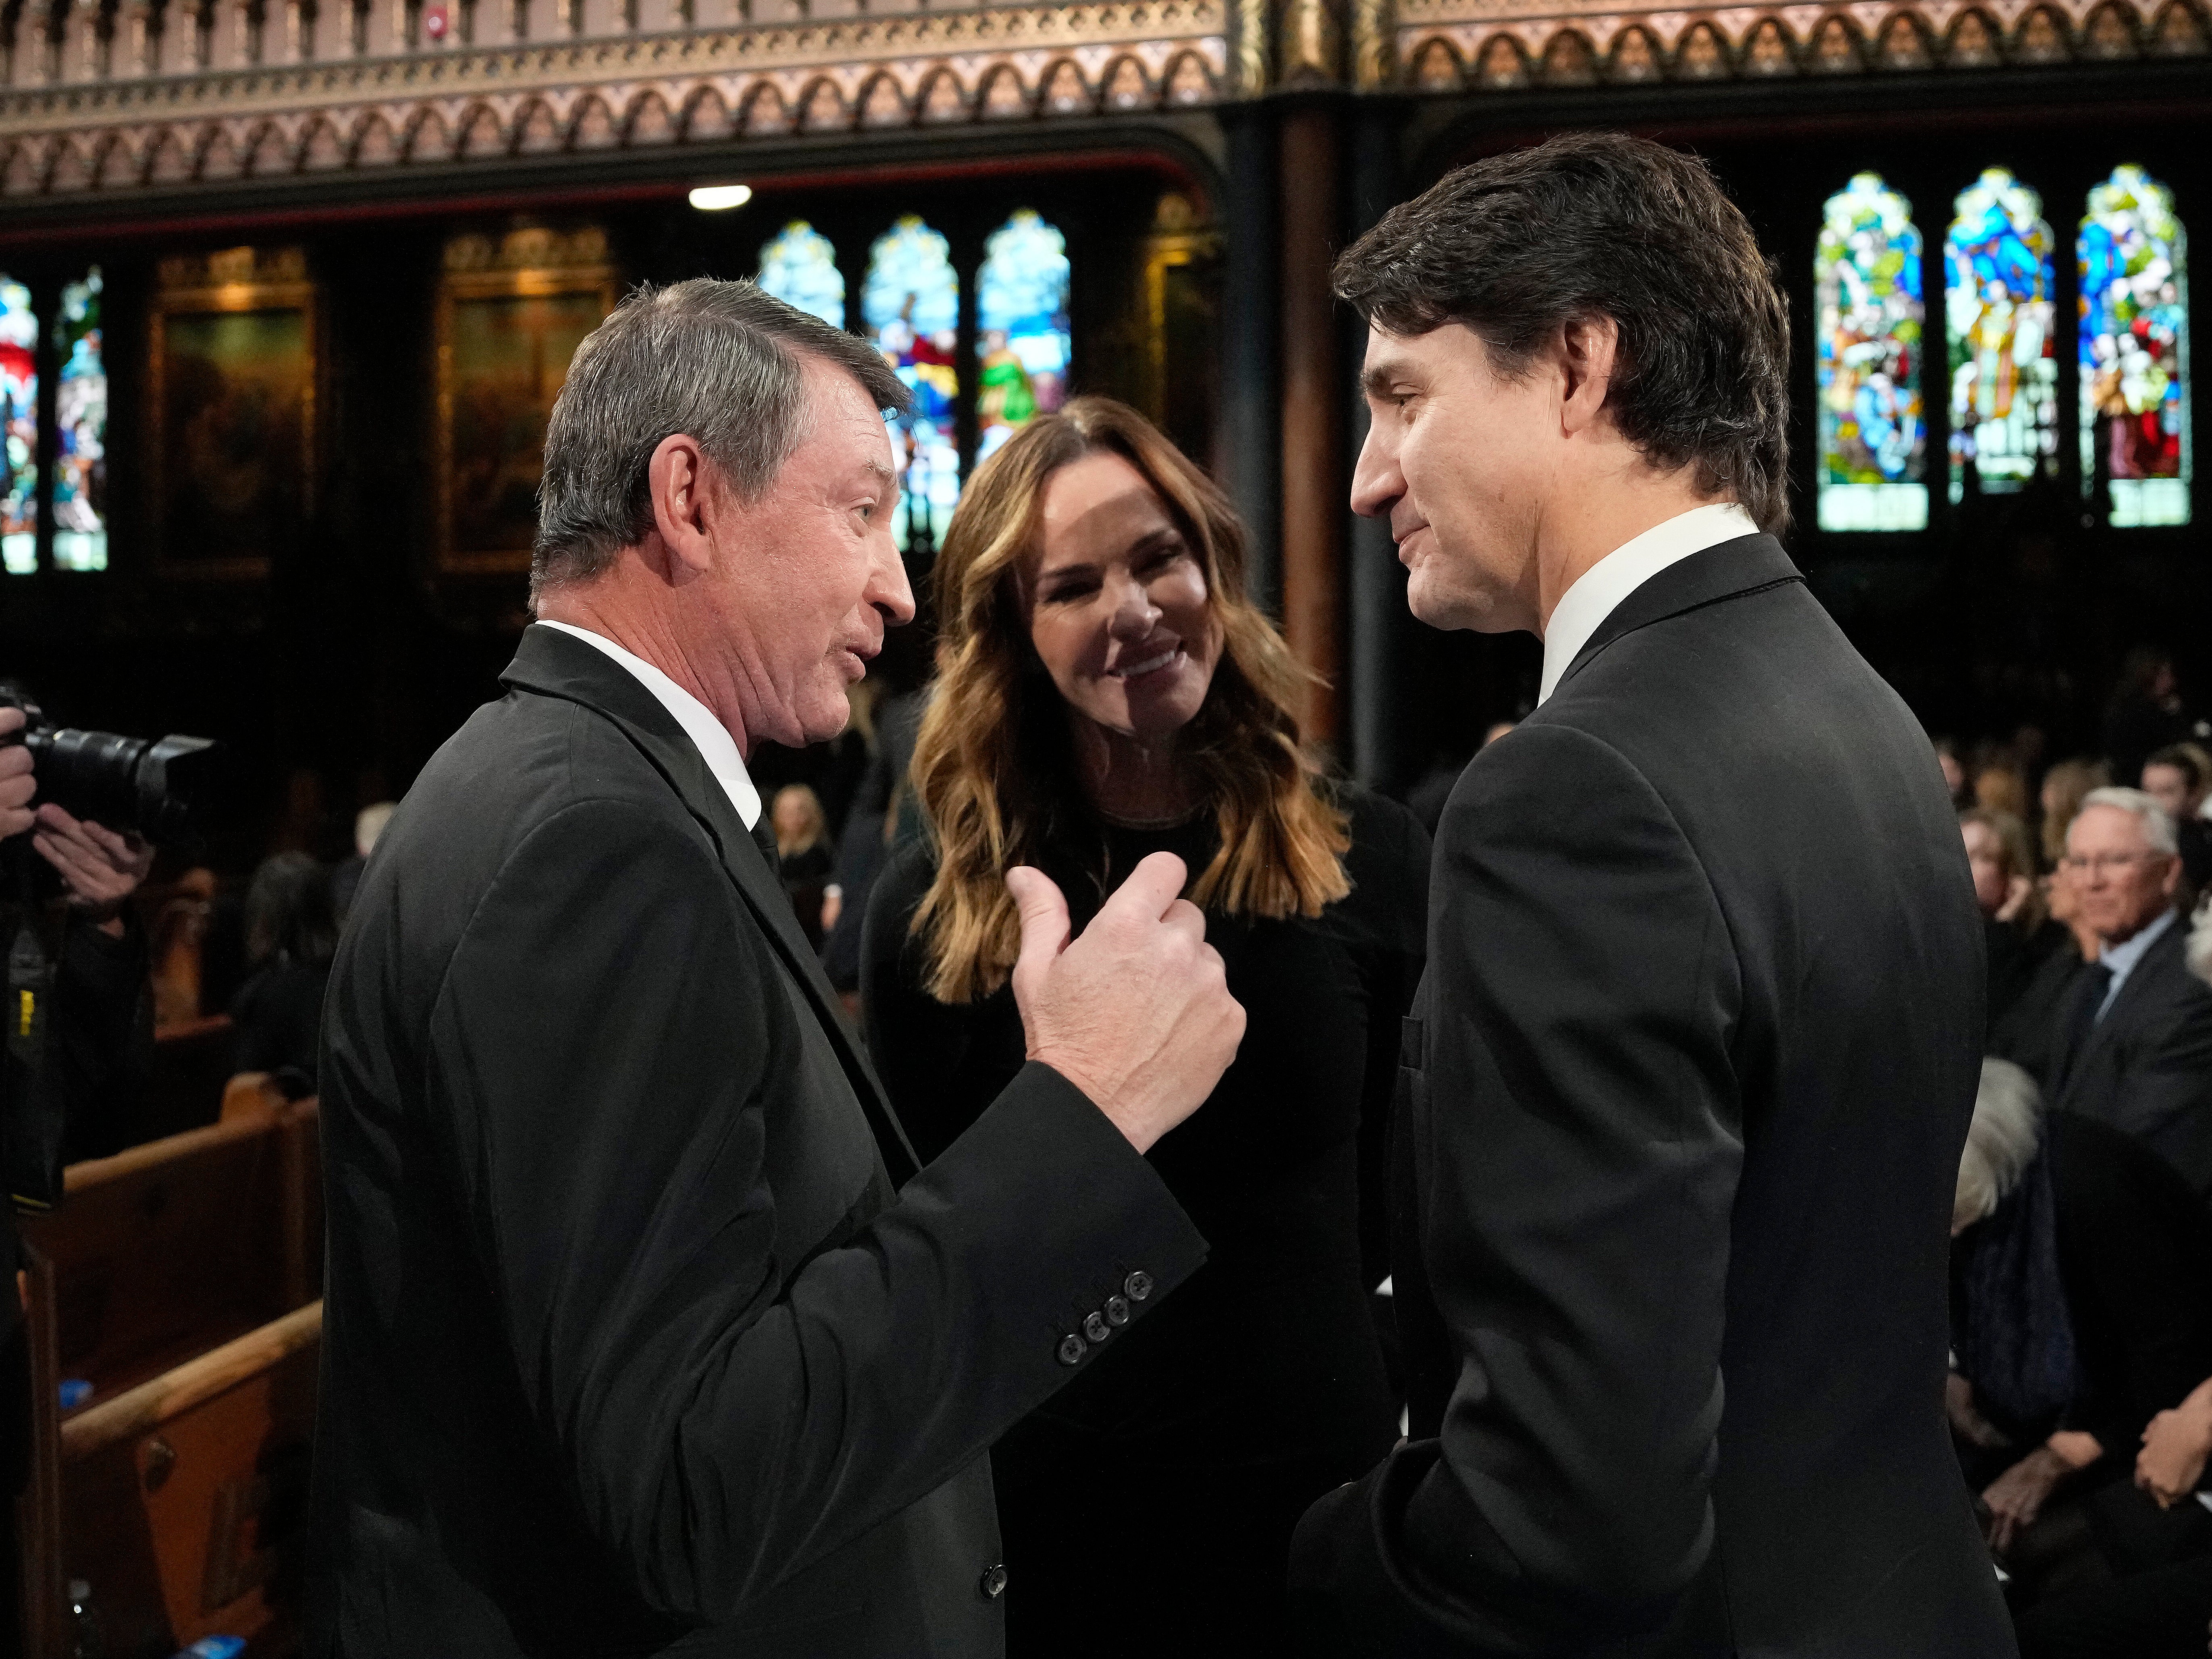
x=33 y=1110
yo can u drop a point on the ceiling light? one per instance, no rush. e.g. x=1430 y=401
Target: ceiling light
x=713 y=198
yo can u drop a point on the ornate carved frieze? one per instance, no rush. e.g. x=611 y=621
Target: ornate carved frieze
x=624 y=91
x=141 y=95
x=1456 y=46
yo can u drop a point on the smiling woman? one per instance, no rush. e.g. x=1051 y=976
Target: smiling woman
x=1109 y=693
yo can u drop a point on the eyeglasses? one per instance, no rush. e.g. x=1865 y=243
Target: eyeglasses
x=2104 y=863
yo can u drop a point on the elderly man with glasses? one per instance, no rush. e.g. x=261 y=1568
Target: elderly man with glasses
x=2134 y=1046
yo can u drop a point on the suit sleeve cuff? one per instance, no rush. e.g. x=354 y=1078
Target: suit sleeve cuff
x=1069 y=1192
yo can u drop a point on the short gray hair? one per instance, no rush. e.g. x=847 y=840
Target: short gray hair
x=2002 y=1141
x=2157 y=821
x=719 y=361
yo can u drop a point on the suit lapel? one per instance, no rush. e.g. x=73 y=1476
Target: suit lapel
x=2140 y=984
x=557 y=665
x=1726 y=570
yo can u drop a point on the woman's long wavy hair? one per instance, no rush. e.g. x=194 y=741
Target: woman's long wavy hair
x=994 y=765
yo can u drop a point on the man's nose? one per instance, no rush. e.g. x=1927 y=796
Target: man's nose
x=889 y=591
x=1376 y=484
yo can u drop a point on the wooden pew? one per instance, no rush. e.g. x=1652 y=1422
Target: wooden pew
x=177 y=1279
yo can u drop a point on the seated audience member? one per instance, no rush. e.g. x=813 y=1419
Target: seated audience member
x=2000 y=789
x=2078 y=1316
x=367 y=824
x=2021 y=934
x=2065 y=785
x=803 y=853
x=2133 y=1041
x=2176 y=778
x=291 y=933
x=2026 y=1032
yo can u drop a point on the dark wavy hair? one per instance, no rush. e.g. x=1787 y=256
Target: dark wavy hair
x=288 y=911
x=1593 y=224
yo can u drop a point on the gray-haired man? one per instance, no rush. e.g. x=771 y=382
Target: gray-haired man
x=632 y=1343
x=2134 y=1047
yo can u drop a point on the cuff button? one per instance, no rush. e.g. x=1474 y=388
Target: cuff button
x=1117 y=1310
x=1071 y=1350
x=1096 y=1328
x=1138 y=1285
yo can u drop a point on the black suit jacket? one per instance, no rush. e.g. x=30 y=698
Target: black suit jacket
x=630 y=1344
x=2146 y=1067
x=1687 y=1081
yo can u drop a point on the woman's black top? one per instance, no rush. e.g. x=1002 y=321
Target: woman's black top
x=1151 y=1503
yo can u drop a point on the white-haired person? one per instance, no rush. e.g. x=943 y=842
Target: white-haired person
x=2080 y=1261
x=2132 y=1044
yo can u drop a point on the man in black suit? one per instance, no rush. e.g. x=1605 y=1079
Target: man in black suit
x=2133 y=1044
x=643 y=1333
x=1689 y=1074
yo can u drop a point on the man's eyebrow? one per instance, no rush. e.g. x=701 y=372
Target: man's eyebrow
x=1377 y=380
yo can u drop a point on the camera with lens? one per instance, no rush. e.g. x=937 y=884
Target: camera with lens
x=153 y=785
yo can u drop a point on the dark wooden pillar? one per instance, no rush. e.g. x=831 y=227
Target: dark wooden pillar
x=1314 y=473
x=1251 y=388
x=1384 y=643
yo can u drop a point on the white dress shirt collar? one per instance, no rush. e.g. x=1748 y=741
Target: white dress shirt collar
x=1598 y=592
x=712 y=738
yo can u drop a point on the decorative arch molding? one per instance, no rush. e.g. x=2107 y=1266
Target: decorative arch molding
x=1462 y=46
x=460 y=106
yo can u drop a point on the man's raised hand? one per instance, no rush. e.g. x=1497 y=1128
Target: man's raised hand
x=1137 y=1012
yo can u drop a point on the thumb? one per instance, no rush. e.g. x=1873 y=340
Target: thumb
x=1043 y=913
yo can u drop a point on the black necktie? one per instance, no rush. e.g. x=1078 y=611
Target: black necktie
x=764 y=838
x=2081 y=1019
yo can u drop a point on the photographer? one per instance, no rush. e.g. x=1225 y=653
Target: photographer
x=99 y=1048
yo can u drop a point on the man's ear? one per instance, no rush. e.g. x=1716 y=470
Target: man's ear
x=680 y=482
x=1588 y=348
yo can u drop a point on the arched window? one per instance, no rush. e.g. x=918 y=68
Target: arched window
x=1022 y=339
x=1999 y=319
x=81 y=430
x=1874 y=438
x=911 y=304
x=2134 y=349
x=19 y=422
x=799 y=267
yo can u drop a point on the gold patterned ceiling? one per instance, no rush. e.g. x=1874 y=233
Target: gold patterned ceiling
x=132 y=95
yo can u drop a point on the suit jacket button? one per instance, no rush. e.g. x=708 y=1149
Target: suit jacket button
x=1138 y=1285
x=1071 y=1350
x=1117 y=1310
x=1096 y=1328
x=993 y=1584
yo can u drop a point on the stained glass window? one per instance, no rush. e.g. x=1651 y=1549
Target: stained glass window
x=1021 y=328
x=80 y=431
x=1999 y=318
x=911 y=302
x=1874 y=441
x=19 y=422
x=799 y=267
x=2134 y=349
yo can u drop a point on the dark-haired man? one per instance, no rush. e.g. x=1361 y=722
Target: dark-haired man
x=1689 y=1075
